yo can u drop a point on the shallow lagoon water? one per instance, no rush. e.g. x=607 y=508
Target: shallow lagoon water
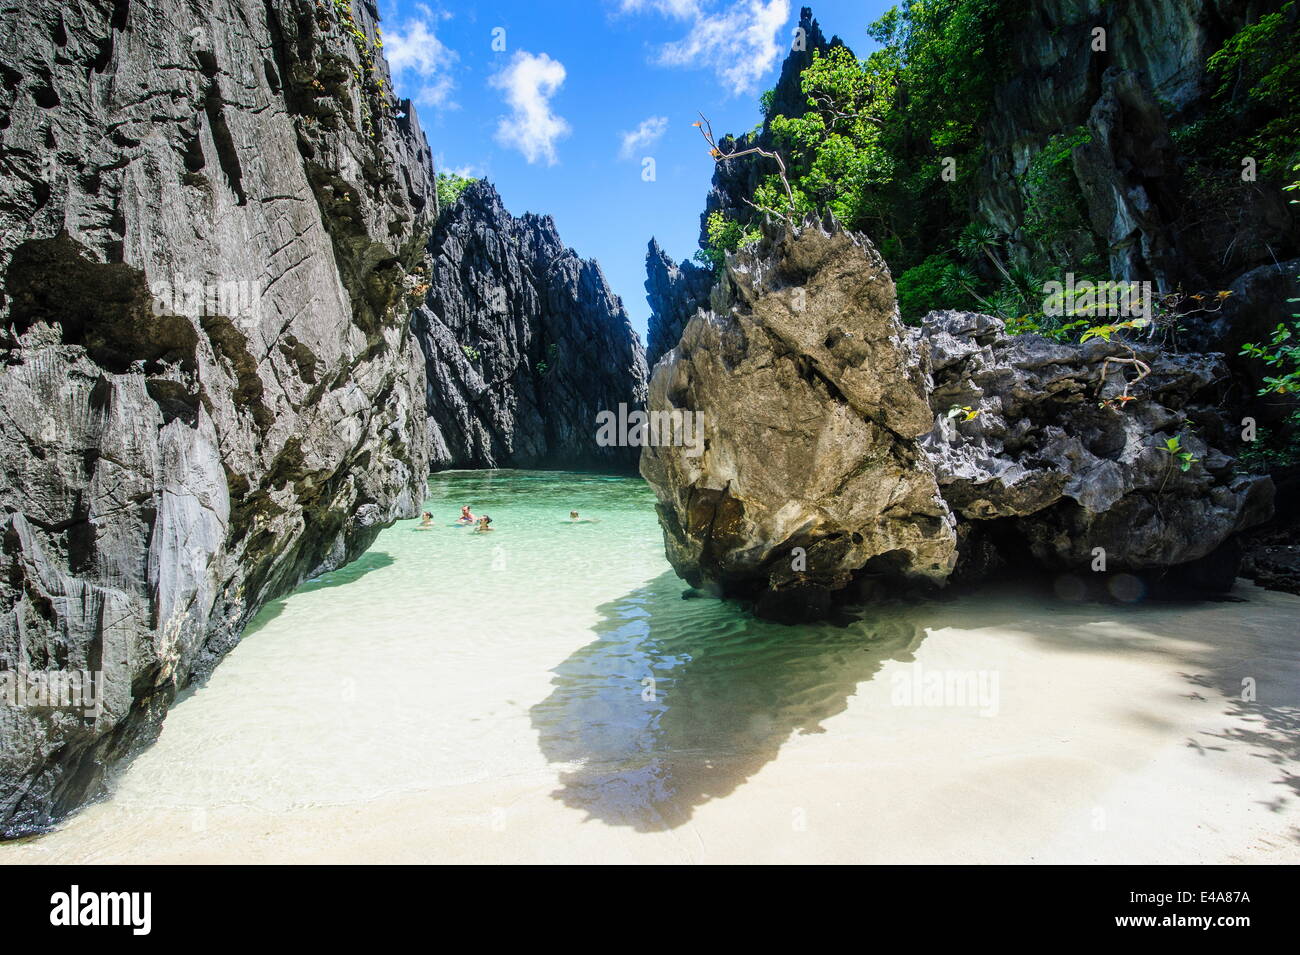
x=545 y=692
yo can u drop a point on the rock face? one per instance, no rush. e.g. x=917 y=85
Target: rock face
x=675 y=293
x=1151 y=75
x=211 y=221
x=844 y=449
x=524 y=344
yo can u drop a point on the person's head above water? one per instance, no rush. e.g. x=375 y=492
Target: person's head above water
x=573 y=514
x=426 y=515
x=464 y=510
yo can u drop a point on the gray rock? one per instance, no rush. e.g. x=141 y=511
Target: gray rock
x=815 y=401
x=844 y=449
x=213 y=220
x=524 y=344
x=1152 y=75
x=675 y=293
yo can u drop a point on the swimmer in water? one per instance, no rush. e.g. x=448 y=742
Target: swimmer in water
x=483 y=523
x=574 y=518
x=426 y=520
x=466 y=517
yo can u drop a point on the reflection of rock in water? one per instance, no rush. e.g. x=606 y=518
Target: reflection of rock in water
x=727 y=692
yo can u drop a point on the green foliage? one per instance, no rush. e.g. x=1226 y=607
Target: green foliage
x=1104 y=332
x=1258 y=70
x=1283 y=349
x=1055 y=215
x=449 y=186
x=552 y=354
x=888 y=145
x=471 y=352
x=923 y=288
x=1174 y=448
x=1283 y=352
x=725 y=235
x=1272 y=449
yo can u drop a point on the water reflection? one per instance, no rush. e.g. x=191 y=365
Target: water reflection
x=679 y=702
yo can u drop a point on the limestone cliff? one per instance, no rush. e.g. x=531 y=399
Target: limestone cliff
x=213 y=219
x=1127 y=99
x=524 y=344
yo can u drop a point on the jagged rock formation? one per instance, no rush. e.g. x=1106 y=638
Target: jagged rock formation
x=675 y=293
x=212 y=218
x=843 y=448
x=1144 y=215
x=524 y=344
x=735 y=181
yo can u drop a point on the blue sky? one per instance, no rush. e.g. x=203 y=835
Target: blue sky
x=562 y=118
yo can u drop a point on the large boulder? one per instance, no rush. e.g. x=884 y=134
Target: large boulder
x=814 y=400
x=843 y=449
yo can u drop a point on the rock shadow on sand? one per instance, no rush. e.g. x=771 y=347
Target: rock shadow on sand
x=679 y=702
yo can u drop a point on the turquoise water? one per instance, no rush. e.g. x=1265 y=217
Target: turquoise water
x=444 y=656
x=545 y=693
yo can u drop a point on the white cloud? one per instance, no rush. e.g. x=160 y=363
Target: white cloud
x=644 y=136
x=678 y=9
x=467 y=170
x=739 y=43
x=421 y=62
x=532 y=127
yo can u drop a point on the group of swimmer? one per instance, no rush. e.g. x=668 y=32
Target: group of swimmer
x=483 y=523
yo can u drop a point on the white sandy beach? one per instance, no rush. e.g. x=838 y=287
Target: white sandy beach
x=1119 y=737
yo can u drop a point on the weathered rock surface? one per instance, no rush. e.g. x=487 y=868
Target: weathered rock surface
x=844 y=448
x=524 y=344
x=675 y=293
x=210 y=218
x=1151 y=75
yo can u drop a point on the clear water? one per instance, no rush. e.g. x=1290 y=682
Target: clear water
x=448 y=656
x=551 y=674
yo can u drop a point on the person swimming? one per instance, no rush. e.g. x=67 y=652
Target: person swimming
x=483 y=523
x=575 y=519
x=426 y=520
x=466 y=516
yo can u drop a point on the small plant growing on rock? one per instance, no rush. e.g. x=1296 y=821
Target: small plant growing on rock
x=1185 y=459
x=449 y=186
x=471 y=352
x=725 y=235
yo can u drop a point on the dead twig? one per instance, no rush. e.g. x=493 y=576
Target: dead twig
x=706 y=130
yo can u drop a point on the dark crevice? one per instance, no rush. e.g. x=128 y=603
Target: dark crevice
x=227 y=154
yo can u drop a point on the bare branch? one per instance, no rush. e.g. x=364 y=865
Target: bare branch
x=706 y=130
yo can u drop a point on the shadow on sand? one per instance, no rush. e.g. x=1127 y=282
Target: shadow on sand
x=679 y=702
